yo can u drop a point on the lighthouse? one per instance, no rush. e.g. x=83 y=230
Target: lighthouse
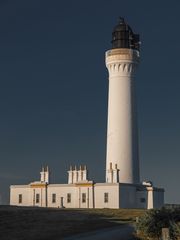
x=122 y=188
x=122 y=158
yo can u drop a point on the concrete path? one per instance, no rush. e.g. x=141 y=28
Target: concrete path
x=116 y=233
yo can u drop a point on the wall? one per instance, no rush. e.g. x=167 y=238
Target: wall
x=127 y=196
x=113 y=195
x=141 y=198
x=155 y=197
x=42 y=191
x=94 y=195
x=76 y=191
x=119 y=195
x=134 y=196
x=61 y=191
x=158 y=198
x=20 y=189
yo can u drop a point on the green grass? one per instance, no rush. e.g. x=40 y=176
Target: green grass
x=26 y=223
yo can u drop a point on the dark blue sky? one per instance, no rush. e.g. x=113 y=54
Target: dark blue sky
x=53 y=92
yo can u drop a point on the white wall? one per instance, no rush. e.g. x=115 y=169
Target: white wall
x=42 y=193
x=119 y=195
x=20 y=189
x=28 y=195
x=61 y=191
x=94 y=195
x=76 y=191
x=113 y=195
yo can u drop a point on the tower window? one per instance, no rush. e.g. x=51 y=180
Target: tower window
x=53 y=198
x=106 y=197
x=20 y=198
x=37 y=197
x=83 y=197
x=68 y=197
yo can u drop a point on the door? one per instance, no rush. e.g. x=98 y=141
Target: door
x=61 y=202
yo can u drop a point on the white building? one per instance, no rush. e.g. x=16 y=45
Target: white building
x=122 y=188
x=79 y=192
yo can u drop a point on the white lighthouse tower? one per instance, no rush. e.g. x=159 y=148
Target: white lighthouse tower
x=122 y=160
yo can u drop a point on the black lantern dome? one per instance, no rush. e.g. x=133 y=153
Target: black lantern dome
x=123 y=36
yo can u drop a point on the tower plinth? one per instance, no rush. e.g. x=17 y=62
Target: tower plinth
x=122 y=135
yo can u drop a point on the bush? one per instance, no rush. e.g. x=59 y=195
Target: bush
x=150 y=225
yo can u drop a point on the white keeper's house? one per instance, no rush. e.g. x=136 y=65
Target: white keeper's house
x=122 y=187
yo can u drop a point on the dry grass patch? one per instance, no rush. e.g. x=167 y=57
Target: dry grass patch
x=26 y=223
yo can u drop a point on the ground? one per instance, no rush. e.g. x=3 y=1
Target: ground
x=27 y=223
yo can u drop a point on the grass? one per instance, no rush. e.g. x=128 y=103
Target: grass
x=26 y=223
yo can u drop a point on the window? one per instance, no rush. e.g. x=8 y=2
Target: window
x=106 y=197
x=83 y=197
x=53 y=198
x=20 y=198
x=37 y=198
x=68 y=197
x=143 y=200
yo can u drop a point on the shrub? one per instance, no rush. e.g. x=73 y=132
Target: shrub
x=150 y=225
